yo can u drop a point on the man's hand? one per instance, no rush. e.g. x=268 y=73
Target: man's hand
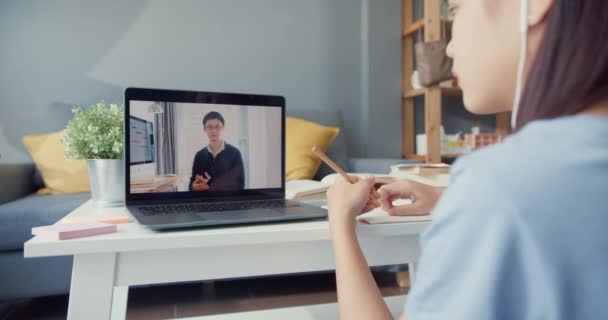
x=200 y=183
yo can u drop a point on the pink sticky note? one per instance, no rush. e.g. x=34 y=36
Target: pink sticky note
x=74 y=230
x=111 y=219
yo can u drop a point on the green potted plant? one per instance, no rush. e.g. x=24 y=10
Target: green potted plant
x=95 y=134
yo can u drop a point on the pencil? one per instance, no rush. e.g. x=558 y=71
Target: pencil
x=333 y=165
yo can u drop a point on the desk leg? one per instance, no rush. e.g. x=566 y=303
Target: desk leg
x=119 y=303
x=92 y=286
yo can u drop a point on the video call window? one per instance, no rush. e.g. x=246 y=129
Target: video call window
x=192 y=147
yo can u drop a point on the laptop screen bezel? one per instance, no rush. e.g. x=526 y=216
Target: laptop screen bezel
x=141 y=94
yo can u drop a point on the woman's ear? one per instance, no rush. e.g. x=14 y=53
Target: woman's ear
x=538 y=11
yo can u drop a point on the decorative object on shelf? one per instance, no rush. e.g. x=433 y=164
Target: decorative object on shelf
x=480 y=140
x=451 y=144
x=454 y=144
x=96 y=135
x=421 y=149
x=476 y=128
x=449 y=84
x=433 y=64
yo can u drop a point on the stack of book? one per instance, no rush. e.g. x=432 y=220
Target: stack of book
x=432 y=174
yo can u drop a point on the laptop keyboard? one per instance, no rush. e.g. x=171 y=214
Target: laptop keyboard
x=214 y=206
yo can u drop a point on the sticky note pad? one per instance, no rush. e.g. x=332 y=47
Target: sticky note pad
x=111 y=219
x=74 y=230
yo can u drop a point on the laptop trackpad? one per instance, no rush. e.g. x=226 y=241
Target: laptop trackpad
x=241 y=215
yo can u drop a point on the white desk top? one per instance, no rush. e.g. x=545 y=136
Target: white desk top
x=132 y=237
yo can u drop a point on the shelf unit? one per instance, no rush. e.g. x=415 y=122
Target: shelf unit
x=431 y=25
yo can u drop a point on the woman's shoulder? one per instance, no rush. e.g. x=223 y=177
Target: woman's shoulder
x=541 y=155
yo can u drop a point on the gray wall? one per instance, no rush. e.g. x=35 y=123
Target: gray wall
x=56 y=54
x=381 y=109
x=329 y=54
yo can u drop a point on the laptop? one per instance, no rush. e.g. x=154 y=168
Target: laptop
x=201 y=159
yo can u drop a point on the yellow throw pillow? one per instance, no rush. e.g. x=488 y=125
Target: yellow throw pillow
x=60 y=175
x=301 y=136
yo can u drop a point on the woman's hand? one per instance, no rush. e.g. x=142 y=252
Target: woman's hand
x=345 y=201
x=424 y=197
x=358 y=292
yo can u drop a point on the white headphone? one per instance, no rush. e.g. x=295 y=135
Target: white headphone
x=523 y=29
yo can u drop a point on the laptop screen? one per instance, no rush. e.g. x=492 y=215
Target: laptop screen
x=197 y=148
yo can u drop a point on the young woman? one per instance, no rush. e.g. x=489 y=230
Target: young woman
x=521 y=231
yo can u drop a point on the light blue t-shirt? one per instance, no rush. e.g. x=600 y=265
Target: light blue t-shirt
x=522 y=231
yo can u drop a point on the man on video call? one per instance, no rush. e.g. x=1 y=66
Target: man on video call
x=218 y=166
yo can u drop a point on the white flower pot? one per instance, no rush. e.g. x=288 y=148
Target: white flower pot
x=107 y=182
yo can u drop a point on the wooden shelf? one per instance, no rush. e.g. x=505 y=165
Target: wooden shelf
x=413 y=93
x=451 y=92
x=431 y=27
x=416 y=157
x=419 y=25
x=416 y=26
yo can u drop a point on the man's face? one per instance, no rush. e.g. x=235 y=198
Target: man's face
x=213 y=129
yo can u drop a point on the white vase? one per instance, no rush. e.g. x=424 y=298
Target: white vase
x=106 y=177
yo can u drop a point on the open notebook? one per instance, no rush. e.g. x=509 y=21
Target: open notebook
x=304 y=189
x=379 y=216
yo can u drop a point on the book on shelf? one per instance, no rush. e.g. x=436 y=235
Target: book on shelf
x=432 y=174
x=423 y=169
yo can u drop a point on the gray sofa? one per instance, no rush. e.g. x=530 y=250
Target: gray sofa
x=21 y=209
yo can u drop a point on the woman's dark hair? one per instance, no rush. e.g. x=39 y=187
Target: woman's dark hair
x=570 y=71
x=213 y=115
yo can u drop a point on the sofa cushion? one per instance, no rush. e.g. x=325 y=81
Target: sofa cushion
x=17 y=218
x=38 y=182
x=338 y=150
x=60 y=175
x=300 y=137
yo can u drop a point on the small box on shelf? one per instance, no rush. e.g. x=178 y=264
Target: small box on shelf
x=479 y=140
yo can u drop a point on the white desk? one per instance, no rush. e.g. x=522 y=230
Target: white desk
x=106 y=265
